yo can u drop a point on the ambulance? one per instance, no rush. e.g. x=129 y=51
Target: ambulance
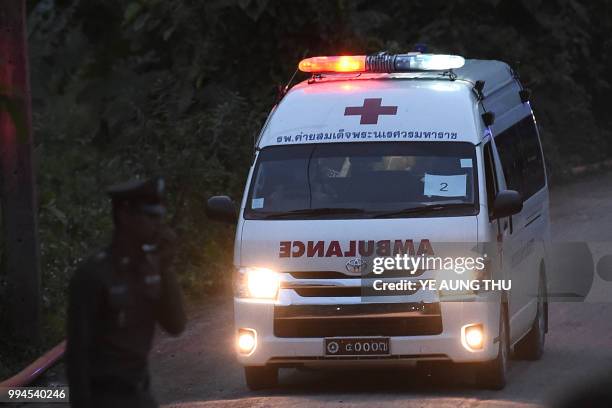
x=378 y=156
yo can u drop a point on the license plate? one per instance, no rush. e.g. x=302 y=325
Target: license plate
x=358 y=346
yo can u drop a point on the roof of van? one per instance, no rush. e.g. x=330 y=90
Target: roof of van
x=410 y=106
x=495 y=74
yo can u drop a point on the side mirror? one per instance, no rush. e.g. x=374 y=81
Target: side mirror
x=507 y=203
x=221 y=208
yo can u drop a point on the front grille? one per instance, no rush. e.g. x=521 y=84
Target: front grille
x=322 y=275
x=328 y=291
x=328 y=283
x=389 y=273
x=364 y=319
x=345 y=291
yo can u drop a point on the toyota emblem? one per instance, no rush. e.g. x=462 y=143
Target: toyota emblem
x=355 y=266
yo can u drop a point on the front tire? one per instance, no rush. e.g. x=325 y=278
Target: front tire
x=260 y=378
x=492 y=374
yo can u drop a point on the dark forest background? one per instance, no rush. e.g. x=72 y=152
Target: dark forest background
x=134 y=88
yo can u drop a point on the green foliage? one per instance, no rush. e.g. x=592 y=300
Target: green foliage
x=180 y=88
x=14 y=107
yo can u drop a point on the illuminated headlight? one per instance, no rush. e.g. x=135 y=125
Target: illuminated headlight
x=472 y=337
x=247 y=340
x=256 y=283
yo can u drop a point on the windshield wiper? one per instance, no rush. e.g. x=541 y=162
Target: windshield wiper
x=424 y=209
x=310 y=212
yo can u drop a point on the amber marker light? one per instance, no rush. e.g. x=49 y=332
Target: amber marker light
x=344 y=63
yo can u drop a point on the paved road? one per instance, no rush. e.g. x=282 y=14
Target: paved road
x=199 y=370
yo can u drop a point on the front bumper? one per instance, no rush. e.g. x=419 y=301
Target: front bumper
x=309 y=351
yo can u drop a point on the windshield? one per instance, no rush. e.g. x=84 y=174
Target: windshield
x=363 y=180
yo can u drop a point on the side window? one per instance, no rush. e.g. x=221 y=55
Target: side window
x=490 y=176
x=521 y=158
x=510 y=154
x=532 y=156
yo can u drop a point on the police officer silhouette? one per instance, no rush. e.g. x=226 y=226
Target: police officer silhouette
x=116 y=298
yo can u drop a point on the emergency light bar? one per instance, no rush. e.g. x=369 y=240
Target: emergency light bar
x=382 y=63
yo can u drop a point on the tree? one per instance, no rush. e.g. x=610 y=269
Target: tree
x=17 y=187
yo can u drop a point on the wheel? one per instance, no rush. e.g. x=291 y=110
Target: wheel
x=492 y=374
x=259 y=378
x=531 y=347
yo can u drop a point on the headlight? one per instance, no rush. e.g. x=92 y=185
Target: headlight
x=247 y=340
x=256 y=283
x=472 y=337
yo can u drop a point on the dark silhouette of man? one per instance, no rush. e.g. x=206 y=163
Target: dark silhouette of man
x=116 y=298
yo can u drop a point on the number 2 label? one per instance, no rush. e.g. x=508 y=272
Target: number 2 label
x=445 y=185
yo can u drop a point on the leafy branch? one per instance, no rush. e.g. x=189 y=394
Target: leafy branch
x=13 y=106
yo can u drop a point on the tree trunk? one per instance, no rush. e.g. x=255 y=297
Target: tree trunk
x=17 y=185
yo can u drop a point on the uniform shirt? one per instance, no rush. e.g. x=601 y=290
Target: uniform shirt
x=114 y=303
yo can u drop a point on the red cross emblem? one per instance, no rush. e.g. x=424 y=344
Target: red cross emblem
x=369 y=112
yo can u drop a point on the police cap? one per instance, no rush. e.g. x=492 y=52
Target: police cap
x=144 y=195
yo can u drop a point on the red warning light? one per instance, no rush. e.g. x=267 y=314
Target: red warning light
x=344 y=63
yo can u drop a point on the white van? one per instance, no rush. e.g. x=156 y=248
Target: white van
x=383 y=155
